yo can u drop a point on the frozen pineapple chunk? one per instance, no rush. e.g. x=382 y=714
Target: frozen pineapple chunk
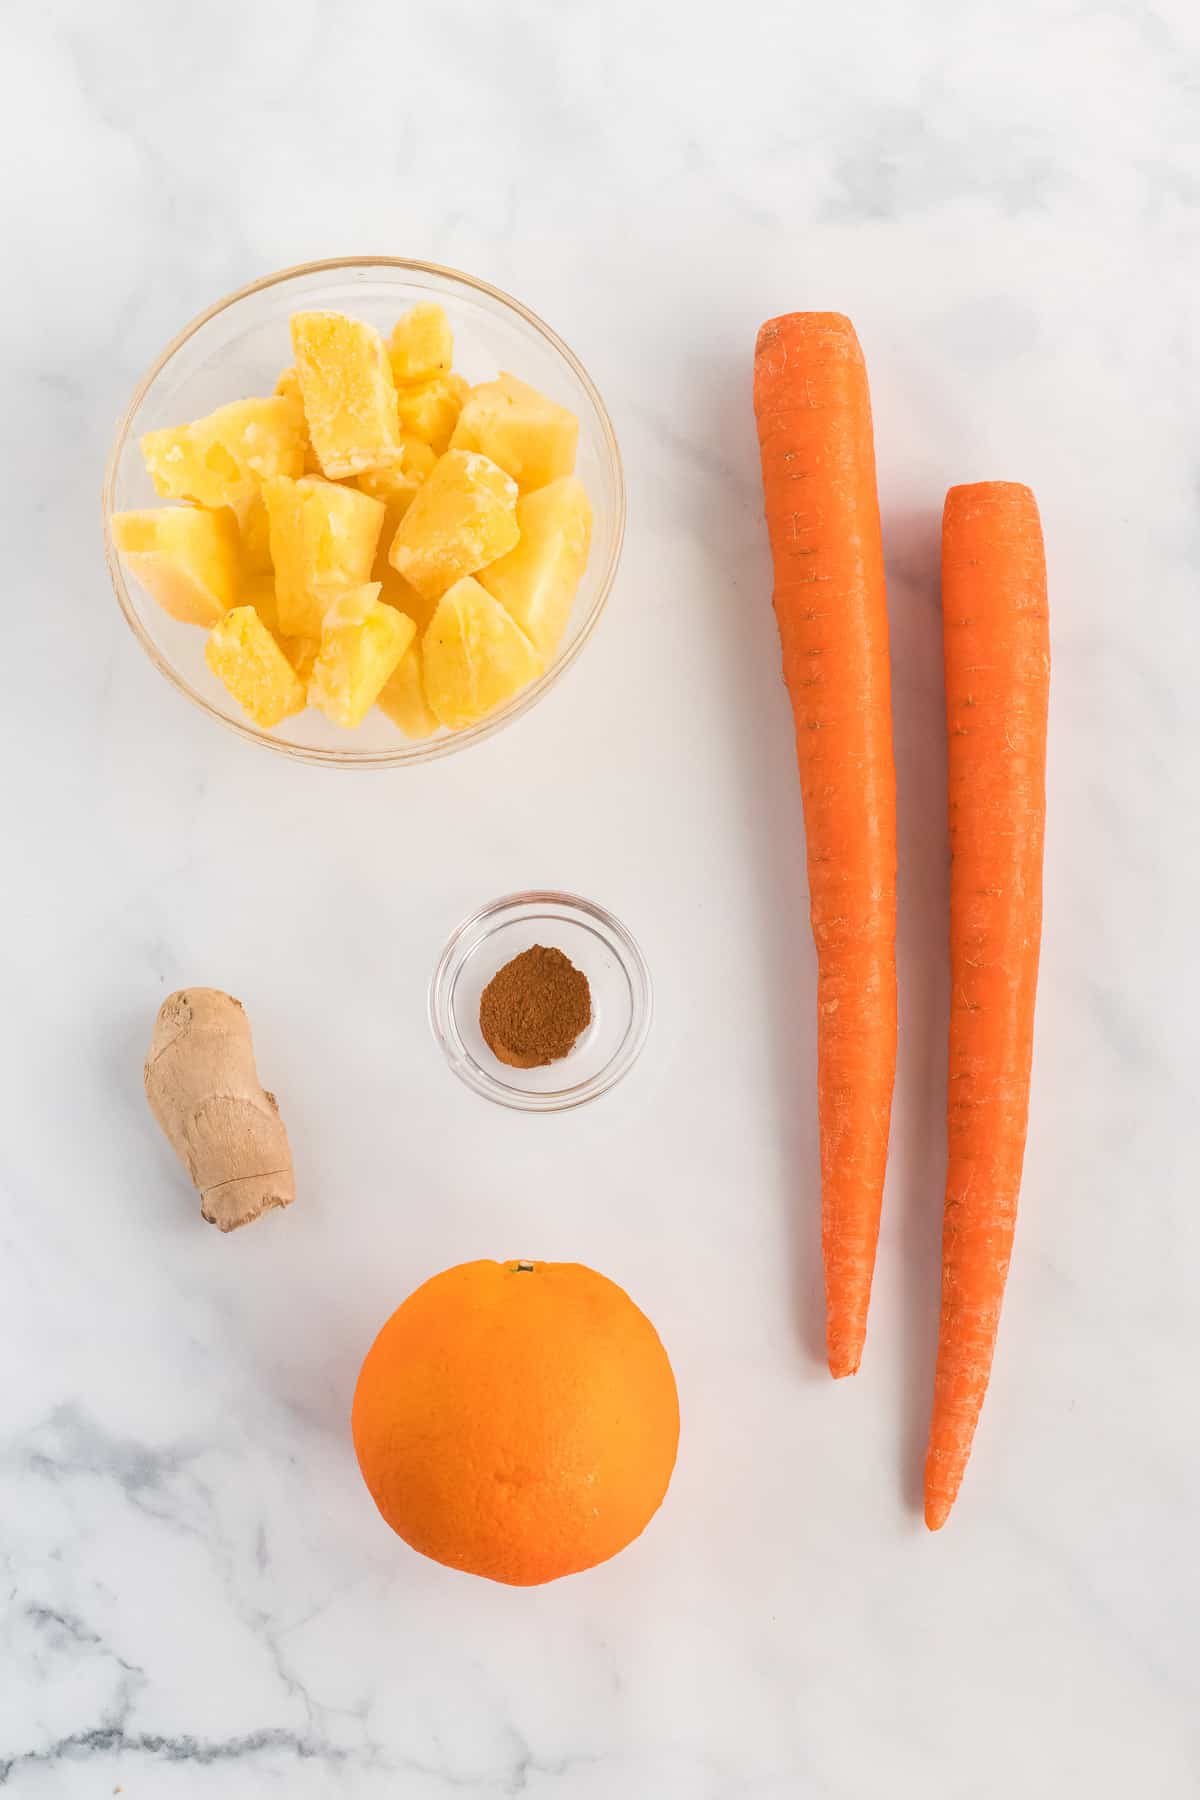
x=242 y=653
x=464 y=517
x=348 y=391
x=531 y=437
x=422 y=343
x=536 y=582
x=223 y=460
x=187 y=559
x=323 y=540
x=475 y=656
x=361 y=644
x=430 y=409
x=403 y=697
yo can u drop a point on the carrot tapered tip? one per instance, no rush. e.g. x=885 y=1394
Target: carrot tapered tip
x=843 y=1352
x=937 y=1510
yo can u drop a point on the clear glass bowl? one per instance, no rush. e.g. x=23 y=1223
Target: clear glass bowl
x=238 y=347
x=596 y=943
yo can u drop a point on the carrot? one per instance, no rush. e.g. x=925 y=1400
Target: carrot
x=997 y=654
x=818 y=461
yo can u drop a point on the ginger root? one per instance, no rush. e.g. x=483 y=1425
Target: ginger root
x=225 y=1127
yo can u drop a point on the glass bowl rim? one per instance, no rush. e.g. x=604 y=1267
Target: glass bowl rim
x=637 y=973
x=414 y=750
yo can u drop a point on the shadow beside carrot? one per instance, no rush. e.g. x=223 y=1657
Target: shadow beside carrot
x=912 y=1218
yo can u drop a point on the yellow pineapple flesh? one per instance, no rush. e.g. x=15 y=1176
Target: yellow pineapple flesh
x=243 y=655
x=222 y=460
x=301 y=653
x=536 y=581
x=289 y=384
x=403 y=595
x=373 y=532
x=419 y=457
x=475 y=656
x=349 y=395
x=323 y=539
x=530 y=436
x=255 y=538
x=397 y=487
x=258 y=590
x=429 y=409
x=403 y=697
x=361 y=644
x=463 y=517
x=186 y=558
x=421 y=344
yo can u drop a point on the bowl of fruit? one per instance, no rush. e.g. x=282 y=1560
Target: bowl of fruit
x=365 y=512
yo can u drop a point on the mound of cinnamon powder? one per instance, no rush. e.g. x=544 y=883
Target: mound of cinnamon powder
x=534 y=1008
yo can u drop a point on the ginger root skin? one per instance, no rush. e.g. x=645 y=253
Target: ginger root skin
x=225 y=1128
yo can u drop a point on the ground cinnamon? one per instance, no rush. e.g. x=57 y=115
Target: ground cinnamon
x=534 y=1008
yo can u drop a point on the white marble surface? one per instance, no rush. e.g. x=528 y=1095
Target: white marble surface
x=198 y=1596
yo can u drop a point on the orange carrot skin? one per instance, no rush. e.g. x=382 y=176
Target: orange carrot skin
x=813 y=409
x=997 y=655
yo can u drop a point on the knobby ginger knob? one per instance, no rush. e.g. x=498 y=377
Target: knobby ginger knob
x=224 y=1126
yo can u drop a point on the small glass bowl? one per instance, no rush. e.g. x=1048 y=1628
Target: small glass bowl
x=597 y=944
x=238 y=347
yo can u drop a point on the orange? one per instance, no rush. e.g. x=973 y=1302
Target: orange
x=517 y=1420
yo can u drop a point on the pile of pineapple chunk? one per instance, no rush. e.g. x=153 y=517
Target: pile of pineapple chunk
x=375 y=532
